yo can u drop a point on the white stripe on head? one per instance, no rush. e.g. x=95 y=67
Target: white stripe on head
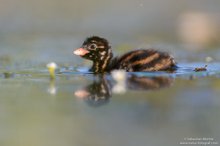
x=103 y=53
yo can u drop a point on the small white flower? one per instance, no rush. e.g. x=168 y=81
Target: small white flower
x=52 y=65
x=120 y=77
x=51 y=68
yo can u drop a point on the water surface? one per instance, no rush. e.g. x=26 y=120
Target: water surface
x=79 y=108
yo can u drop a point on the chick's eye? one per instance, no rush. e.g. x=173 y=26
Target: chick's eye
x=93 y=46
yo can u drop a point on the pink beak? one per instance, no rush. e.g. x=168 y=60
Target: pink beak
x=80 y=52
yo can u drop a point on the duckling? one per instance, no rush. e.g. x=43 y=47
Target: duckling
x=99 y=51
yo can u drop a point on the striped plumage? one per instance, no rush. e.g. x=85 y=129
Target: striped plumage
x=98 y=50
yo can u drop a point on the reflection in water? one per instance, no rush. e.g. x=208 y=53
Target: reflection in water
x=100 y=91
x=97 y=93
x=148 y=83
x=52 y=87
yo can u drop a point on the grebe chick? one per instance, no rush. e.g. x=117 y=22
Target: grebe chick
x=99 y=51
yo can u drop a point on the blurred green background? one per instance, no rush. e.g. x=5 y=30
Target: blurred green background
x=110 y=18
x=50 y=29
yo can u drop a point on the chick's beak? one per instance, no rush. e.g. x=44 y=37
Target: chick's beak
x=80 y=52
